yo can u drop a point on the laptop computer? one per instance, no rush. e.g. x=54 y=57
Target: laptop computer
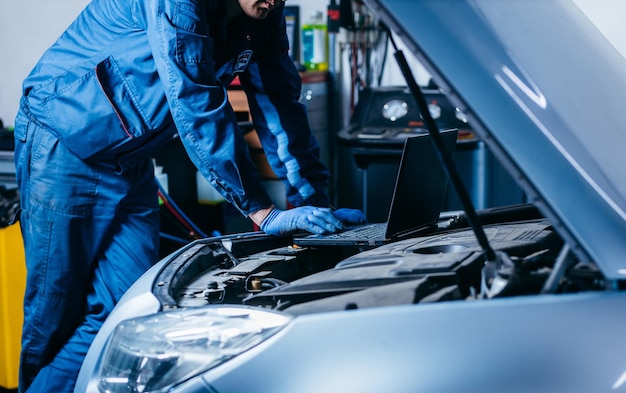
x=416 y=203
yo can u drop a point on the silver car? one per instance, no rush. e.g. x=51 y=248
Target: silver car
x=526 y=298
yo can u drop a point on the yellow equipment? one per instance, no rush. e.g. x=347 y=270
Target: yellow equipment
x=12 y=285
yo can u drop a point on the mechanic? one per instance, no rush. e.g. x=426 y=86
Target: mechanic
x=123 y=80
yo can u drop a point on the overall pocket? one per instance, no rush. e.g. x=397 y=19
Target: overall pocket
x=96 y=113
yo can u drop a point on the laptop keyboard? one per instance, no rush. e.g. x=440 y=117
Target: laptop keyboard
x=369 y=231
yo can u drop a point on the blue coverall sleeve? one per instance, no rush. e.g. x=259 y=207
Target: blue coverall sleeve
x=273 y=87
x=178 y=32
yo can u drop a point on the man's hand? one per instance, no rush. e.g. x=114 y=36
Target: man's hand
x=312 y=219
x=350 y=216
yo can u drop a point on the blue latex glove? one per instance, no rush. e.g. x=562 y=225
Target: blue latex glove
x=312 y=219
x=350 y=216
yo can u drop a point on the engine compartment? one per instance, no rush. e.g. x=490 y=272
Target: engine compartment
x=259 y=270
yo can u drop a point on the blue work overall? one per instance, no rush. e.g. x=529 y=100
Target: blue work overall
x=121 y=81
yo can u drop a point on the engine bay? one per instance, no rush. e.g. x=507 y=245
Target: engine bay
x=259 y=270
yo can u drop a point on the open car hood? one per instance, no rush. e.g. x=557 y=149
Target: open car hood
x=544 y=89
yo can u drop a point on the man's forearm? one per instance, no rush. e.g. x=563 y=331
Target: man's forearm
x=258 y=216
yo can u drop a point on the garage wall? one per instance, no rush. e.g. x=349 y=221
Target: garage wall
x=28 y=27
x=610 y=23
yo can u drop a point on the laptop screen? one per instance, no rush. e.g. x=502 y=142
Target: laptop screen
x=421 y=184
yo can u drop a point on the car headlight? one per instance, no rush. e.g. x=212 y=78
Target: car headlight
x=155 y=352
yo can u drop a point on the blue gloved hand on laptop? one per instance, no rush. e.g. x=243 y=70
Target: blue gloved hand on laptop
x=350 y=216
x=317 y=220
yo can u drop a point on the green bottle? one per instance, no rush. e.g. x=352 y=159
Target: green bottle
x=315 y=43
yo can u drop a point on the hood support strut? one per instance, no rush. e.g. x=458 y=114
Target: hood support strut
x=445 y=159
